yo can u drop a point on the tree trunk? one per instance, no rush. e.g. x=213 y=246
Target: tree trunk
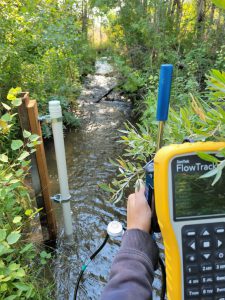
x=84 y=17
x=145 y=6
x=175 y=6
x=218 y=20
x=201 y=8
x=212 y=13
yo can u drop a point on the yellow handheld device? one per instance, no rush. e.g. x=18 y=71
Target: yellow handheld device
x=191 y=216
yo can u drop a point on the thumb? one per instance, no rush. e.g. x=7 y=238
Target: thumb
x=139 y=188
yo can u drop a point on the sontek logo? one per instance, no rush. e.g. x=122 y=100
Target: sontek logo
x=184 y=166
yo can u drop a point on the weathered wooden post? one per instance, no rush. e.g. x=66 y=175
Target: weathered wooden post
x=28 y=114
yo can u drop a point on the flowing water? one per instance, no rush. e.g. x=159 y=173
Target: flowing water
x=88 y=150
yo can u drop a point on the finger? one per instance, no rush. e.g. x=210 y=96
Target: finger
x=139 y=185
x=130 y=201
x=131 y=197
x=140 y=190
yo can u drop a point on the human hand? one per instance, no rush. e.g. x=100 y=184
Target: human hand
x=138 y=210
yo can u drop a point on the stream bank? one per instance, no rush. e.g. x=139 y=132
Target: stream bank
x=88 y=151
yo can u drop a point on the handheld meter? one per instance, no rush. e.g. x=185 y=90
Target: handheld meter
x=191 y=216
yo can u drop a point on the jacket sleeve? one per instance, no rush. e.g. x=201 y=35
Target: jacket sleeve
x=132 y=271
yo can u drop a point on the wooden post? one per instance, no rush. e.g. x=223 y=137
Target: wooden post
x=28 y=113
x=25 y=124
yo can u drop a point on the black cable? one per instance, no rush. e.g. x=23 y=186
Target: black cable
x=78 y=282
x=83 y=268
x=100 y=248
x=163 y=270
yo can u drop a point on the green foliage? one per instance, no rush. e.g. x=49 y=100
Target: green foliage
x=8 y=121
x=131 y=80
x=198 y=119
x=220 y=58
x=18 y=276
x=145 y=34
x=44 y=257
x=217 y=172
x=219 y=3
x=216 y=84
x=43 y=50
x=139 y=141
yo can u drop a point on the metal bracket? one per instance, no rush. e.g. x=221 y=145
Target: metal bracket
x=56 y=120
x=47 y=119
x=57 y=198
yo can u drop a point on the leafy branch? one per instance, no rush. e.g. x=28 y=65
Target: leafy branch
x=199 y=120
x=220 y=165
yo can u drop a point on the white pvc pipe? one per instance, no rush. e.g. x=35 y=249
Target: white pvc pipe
x=57 y=129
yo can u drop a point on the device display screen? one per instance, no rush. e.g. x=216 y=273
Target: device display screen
x=195 y=197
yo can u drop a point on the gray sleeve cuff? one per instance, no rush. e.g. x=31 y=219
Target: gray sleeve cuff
x=141 y=241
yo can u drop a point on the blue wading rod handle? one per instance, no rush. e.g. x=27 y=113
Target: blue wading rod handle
x=165 y=81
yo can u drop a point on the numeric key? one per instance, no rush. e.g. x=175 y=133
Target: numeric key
x=207 y=279
x=193 y=269
x=220 y=267
x=206 y=267
x=194 y=280
x=207 y=291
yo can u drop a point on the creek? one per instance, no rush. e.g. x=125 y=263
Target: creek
x=88 y=150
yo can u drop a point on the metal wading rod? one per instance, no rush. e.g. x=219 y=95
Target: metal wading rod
x=165 y=81
x=160 y=135
x=57 y=129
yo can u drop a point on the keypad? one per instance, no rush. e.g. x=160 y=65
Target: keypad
x=204 y=261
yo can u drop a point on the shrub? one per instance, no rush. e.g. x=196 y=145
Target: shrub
x=18 y=276
x=198 y=119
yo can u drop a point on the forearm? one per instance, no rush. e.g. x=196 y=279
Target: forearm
x=132 y=272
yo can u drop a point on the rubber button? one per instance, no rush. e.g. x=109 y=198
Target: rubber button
x=219 y=230
x=220 y=267
x=219 y=243
x=207 y=291
x=220 y=289
x=207 y=279
x=206 y=267
x=206 y=244
x=192 y=245
x=190 y=233
x=220 y=278
x=205 y=232
x=193 y=280
x=220 y=255
x=206 y=256
x=191 y=258
x=192 y=269
x=193 y=292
